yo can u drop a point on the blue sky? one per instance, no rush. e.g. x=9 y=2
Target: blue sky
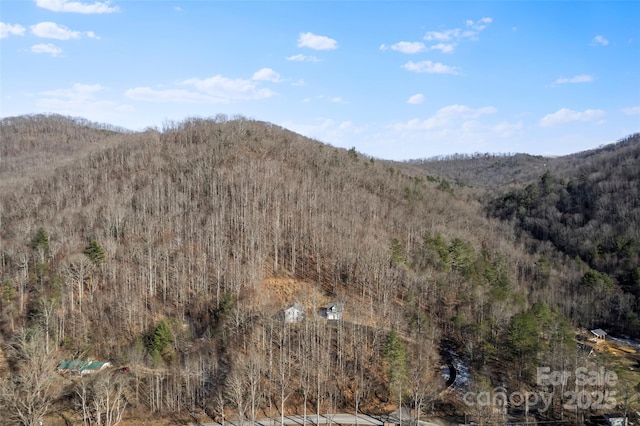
x=397 y=80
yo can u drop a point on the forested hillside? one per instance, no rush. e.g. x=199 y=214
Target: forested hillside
x=592 y=213
x=585 y=204
x=492 y=171
x=172 y=254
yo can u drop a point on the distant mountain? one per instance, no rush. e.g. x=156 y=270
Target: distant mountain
x=494 y=171
x=486 y=170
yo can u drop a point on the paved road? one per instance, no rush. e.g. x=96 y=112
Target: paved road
x=324 y=419
x=312 y=419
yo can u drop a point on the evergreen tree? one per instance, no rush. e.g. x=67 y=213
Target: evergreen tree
x=40 y=243
x=95 y=252
x=159 y=343
x=397 y=254
x=40 y=240
x=395 y=356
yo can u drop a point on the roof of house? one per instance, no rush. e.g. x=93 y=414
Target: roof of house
x=295 y=306
x=598 y=332
x=335 y=307
x=614 y=416
x=81 y=365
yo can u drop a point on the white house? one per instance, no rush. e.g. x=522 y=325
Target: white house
x=334 y=311
x=615 y=420
x=294 y=313
x=599 y=334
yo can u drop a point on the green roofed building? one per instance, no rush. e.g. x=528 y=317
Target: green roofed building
x=81 y=368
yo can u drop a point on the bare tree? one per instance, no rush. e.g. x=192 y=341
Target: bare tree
x=102 y=398
x=421 y=386
x=27 y=395
x=253 y=372
x=47 y=313
x=237 y=392
x=304 y=359
x=284 y=370
x=79 y=270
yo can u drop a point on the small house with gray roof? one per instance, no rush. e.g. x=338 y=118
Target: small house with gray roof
x=294 y=313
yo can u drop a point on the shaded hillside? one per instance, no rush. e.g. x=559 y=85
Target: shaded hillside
x=592 y=212
x=174 y=253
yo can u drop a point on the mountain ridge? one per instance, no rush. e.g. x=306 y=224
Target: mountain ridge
x=493 y=171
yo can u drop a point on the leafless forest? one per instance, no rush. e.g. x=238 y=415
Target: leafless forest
x=173 y=252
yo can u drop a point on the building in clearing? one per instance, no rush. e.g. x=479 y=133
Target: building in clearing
x=294 y=313
x=81 y=368
x=599 y=334
x=334 y=311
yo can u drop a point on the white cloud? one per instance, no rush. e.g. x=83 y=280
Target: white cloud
x=170 y=95
x=447 y=39
x=418 y=98
x=444 y=47
x=600 y=40
x=332 y=99
x=302 y=58
x=631 y=110
x=446 y=35
x=446 y=117
x=506 y=129
x=49 y=48
x=345 y=125
x=480 y=24
x=216 y=89
x=583 y=78
x=310 y=129
x=82 y=100
x=408 y=47
x=58 y=32
x=337 y=133
x=227 y=88
x=97 y=7
x=566 y=115
x=316 y=42
x=77 y=92
x=430 y=67
x=266 y=74
x=177 y=9
x=10 y=29
x=453 y=128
